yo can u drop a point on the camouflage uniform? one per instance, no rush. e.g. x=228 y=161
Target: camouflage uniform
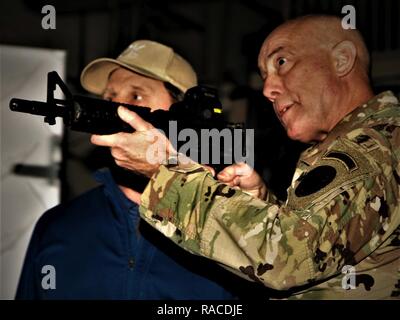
x=342 y=213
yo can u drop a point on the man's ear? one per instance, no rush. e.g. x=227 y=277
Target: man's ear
x=344 y=56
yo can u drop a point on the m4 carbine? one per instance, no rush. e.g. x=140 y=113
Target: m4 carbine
x=200 y=109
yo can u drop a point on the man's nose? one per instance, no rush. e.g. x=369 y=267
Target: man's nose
x=273 y=87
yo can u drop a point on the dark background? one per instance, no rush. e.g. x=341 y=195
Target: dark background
x=220 y=38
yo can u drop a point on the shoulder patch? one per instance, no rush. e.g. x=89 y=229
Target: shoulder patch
x=315 y=180
x=341 y=166
x=366 y=142
x=346 y=159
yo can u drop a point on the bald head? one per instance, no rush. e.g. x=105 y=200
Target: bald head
x=315 y=72
x=326 y=32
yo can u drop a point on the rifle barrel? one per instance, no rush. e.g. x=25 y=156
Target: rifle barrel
x=37 y=107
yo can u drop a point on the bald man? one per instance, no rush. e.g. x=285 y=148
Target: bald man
x=337 y=236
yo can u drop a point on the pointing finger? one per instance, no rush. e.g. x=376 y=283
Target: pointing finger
x=133 y=119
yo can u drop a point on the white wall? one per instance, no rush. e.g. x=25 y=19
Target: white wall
x=25 y=139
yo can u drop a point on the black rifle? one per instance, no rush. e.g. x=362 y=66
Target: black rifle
x=200 y=109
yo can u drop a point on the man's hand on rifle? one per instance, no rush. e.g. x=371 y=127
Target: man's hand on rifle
x=141 y=151
x=146 y=148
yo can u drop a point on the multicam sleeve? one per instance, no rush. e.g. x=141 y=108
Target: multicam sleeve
x=309 y=238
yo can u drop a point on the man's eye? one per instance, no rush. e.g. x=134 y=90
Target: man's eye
x=281 y=61
x=137 y=97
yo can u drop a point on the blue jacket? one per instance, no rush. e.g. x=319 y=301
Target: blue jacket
x=99 y=250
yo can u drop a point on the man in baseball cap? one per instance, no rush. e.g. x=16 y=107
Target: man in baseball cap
x=96 y=243
x=145 y=57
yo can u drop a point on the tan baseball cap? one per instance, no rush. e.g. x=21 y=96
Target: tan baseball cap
x=148 y=58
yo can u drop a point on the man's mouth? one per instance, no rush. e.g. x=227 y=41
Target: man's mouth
x=283 y=109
